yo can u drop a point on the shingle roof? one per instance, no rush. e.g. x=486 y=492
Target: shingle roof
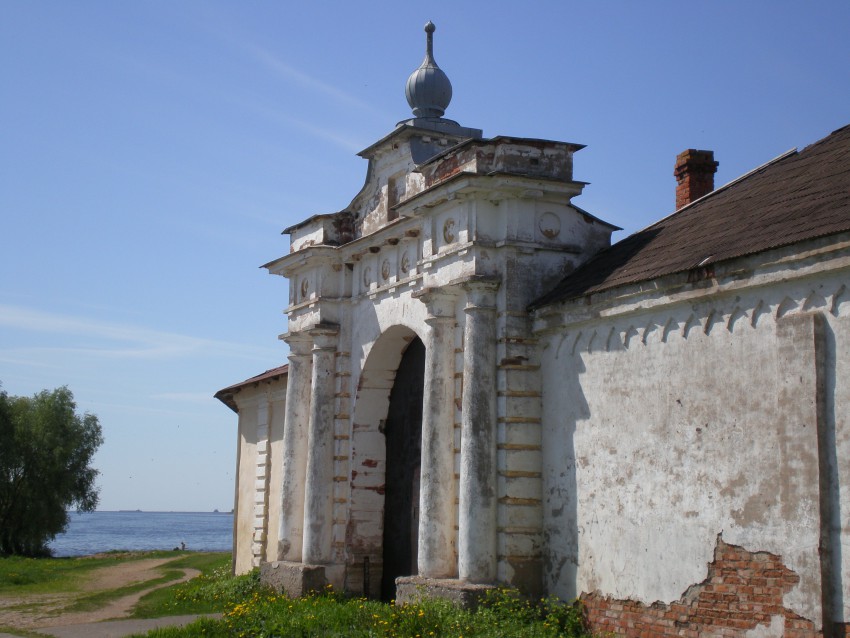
x=225 y=395
x=799 y=196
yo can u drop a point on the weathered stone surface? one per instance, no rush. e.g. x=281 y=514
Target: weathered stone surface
x=413 y=589
x=293 y=579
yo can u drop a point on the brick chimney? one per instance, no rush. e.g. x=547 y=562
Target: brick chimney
x=694 y=175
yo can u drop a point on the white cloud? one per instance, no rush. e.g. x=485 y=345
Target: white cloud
x=110 y=340
x=285 y=71
x=203 y=398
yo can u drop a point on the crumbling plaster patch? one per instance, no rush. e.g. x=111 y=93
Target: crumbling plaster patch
x=658 y=395
x=741 y=595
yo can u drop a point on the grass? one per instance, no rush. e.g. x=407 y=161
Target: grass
x=98 y=599
x=210 y=592
x=256 y=612
x=22 y=576
x=27 y=579
x=253 y=611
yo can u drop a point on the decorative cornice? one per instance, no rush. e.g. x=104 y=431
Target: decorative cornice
x=816 y=258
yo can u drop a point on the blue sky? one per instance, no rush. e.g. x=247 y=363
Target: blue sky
x=151 y=153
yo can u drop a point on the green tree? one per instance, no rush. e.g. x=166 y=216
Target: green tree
x=46 y=449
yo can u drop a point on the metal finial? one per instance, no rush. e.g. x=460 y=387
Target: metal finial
x=429 y=46
x=428 y=90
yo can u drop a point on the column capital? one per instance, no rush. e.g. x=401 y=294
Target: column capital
x=300 y=343
x=440 y=302
x=481 y=292
x=325 y=336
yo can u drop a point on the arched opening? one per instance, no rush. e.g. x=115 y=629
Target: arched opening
x=403 y=433
x=385 y=444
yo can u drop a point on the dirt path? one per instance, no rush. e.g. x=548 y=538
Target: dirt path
x=37 y=612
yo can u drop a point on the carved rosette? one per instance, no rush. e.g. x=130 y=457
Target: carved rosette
x=549 y=225
x=449 y=231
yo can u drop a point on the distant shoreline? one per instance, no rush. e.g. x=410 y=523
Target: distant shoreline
x=153 y=512
x=138 y=530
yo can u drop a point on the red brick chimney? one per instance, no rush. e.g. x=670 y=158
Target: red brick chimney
x=694 y=175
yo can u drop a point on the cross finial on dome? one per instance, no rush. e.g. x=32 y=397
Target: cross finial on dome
x=428 y=89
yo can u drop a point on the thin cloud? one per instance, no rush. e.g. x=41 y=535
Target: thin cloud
x=113 y=340
x=285 y=71
x=281 y=70
x=184 y=397
x=276 y=115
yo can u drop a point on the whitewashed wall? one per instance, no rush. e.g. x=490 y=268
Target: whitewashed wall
x=673 y=417
x=258 y=470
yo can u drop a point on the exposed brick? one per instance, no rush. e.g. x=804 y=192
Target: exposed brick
x=741 y=591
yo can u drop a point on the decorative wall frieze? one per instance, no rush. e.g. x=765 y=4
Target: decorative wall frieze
x=714 y=316
x=813 y=277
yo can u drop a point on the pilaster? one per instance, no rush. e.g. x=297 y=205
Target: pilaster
x=437 y=503
x=318 y=497
x=477 y=523
x=295 y=438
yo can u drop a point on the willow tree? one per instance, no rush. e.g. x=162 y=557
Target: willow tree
x=46 y=450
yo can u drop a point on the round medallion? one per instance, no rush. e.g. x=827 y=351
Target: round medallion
x=449 y=231
x=405 y=263
x=385 y=269
x=367 y=276
x=305 y=287
x=549 y=225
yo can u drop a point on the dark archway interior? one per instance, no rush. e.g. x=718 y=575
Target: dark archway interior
x=403 y=431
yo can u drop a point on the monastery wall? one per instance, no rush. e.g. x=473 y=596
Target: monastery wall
x=246 y=455
x=694 y=449
x=258 y=468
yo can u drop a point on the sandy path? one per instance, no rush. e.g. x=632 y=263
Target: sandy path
x=46 y=611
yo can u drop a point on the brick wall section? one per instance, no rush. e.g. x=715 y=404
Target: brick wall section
x=742 y=591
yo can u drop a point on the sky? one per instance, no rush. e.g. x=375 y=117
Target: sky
x=152 y=152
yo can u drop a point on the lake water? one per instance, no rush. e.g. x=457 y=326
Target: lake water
x=94 y=532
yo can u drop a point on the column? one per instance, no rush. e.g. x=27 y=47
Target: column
x=437 y=493
x=318 y=496
x=477 y=541
x=294 y=465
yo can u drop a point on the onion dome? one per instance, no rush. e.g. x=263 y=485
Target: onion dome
x=428 y=89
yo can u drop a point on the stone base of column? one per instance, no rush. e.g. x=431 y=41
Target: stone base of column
x=412 y=589
x=293 y=579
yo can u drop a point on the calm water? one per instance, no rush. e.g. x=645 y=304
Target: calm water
x=93 y=532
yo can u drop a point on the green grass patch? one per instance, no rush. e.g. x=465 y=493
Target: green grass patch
x=21 y=576
x=19 y=632
x=266 y=614
x=210 y=592
x=25 y=577
x=98 y=599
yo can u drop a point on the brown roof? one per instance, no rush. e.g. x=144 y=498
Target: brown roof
x=225 y=395
x=800 y=195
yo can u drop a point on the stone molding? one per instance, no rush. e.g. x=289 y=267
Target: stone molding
x=725 y=313
x=816 y=281
x=821 y=259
